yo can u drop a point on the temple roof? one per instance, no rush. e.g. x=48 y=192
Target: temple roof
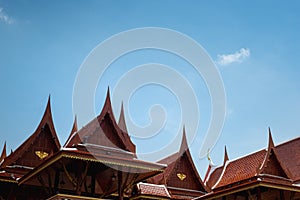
x=103 y=131
x=41 y=144
x=271 y=163
x=181 y=171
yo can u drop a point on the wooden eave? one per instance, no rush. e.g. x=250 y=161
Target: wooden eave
x=142 y=166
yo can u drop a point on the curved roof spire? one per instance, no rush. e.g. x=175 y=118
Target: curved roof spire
x=73 y=131
x=3 y=154
x=271 y=143
x=184 y=144
x=122 y=122
x=226 y=158
x=46 y=124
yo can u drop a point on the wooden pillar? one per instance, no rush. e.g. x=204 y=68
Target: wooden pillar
x=281 y=195
x=56 y=180
x=78 y=178
x=93 y=184
x=258 y=193
x=120 y=185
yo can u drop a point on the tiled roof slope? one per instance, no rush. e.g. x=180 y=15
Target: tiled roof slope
x=276 y=161
x=289 y=155
x=153 y=190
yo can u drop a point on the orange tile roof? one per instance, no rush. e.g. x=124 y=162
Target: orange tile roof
x=240 y=169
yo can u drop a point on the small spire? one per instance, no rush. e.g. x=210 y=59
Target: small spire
x=184 y=144
x=73 y=130
x=226 y=158
x=271 y=143
x=3 y=154
x=122 y=122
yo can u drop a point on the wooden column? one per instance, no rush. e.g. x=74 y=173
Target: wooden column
x=56 y=180
x=120 y=185
x=93 y=184
x=78 y=178
x=258 y=193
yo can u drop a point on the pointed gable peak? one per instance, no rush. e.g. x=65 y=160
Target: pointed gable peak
x=73 y=131
x=272 y=164
x=107 y=107
x=74 y=128
x=3 y=154
x=43 y=139
x=184 y=144
x=226 y=158
x=122 y=122
x=271 y=143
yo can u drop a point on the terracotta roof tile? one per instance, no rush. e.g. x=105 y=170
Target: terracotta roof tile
x=241 y=169
x=153 y=190
x=289 y=155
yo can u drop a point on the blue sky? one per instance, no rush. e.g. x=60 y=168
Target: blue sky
x=254 y=44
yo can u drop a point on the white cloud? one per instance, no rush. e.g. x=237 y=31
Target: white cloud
x=5 y=18
x=238 y=56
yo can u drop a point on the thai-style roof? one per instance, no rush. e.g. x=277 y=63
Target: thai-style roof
x=103 y=131
x=181 y=172
x=40 y=145
x=268 y=164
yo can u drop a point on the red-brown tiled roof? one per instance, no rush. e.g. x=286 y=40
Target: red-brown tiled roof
x=289 y=155
x=153 y=190
x=240 y=169
x=278 y=162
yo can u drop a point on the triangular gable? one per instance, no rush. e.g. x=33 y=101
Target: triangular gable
x=41 y=144
x=103 y=131
x=271 y=164
x=181 y=171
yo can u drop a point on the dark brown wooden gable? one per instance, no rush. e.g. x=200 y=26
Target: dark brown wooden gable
x=184 y=176
x=41 y=148
x=40 y=145
x=104 y=131
x=271 y=164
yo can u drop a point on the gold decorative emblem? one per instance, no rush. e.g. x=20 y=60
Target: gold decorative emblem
x=181 y=176
x=41 y=154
